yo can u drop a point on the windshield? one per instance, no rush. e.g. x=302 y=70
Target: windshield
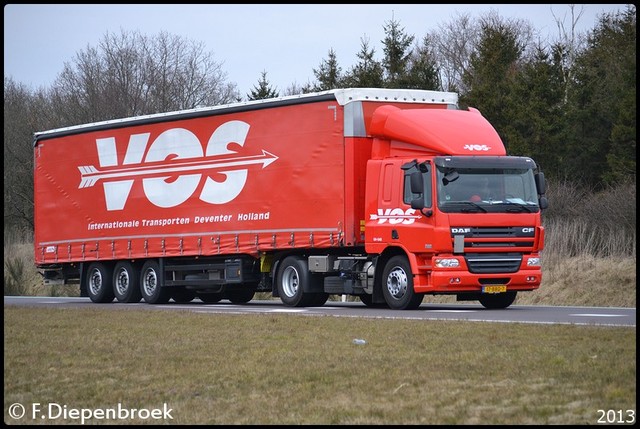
x=494 y=189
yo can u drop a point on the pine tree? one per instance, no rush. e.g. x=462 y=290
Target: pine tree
x=423 y=72
x=396 y=53
x=603 y=106
x=328 y=73
x=367 y=73
x=263 y=90
x=493 y=67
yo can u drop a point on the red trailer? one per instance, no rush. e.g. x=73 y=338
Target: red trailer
x=351 y=191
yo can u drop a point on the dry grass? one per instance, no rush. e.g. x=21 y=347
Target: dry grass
x=578 y=281
x=587 y=281
x=291 y=369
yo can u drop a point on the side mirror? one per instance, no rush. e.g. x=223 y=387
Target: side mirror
x=417 y=184
x=541 y=185
x=417 y=203
x=543 y=202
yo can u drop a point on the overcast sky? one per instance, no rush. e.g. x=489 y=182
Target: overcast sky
x=286 y=41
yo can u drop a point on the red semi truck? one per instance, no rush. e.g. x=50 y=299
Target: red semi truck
x=383 y=194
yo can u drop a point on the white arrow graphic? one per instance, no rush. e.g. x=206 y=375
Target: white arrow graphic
x=90 y=175
x=397 y=216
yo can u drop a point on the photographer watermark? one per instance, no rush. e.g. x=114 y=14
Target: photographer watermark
x=55 y=411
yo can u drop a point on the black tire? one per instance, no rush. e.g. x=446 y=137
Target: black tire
x=182 y=295
x=293 y=274
x=100 y=282
x=210 y=298
x=397 y=285
x=126 y=286
x=150 y=278
x=368 y=301
x=239 y=295
x=319 y=299
x=498 y=300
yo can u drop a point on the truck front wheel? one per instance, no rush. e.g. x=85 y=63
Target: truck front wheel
x=99 y=283
x=397 y=285
x=292 y=276
x=125 y=283
x=150 y=288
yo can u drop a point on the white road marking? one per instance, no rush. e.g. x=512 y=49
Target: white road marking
x=596 y=315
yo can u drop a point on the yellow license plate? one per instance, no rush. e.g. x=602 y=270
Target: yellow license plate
x=494 y=289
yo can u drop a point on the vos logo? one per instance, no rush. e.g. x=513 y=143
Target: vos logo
x=395 y=216
x=477 y=147
x=173 y=166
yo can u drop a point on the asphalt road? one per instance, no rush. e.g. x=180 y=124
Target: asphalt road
x=593 y=316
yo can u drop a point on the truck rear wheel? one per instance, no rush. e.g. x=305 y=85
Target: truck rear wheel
x=292 y=276
x=498 y=300
x=397 y=285
x=150 y=288
x=100 y=283
x=126 y=287
x=368 y=301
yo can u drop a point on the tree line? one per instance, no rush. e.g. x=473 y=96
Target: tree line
x=569 y=103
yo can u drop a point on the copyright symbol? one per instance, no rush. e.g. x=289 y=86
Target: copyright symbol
x=16 y=411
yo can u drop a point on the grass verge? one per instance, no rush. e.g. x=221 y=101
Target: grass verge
x=292 y=369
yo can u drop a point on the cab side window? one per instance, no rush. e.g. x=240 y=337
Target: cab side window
x=409 y=196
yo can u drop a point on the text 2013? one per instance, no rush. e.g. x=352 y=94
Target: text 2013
x=616 y=416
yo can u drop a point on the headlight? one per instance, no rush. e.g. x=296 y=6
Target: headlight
x=533 y=262
x=447 y=263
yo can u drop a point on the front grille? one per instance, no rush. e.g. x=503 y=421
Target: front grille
x=514 y=237
x=493 y=263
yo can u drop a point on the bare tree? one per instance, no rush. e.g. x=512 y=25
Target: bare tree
x=20 y=112
x=568 y=45
x=295 y=89
x=129 y=74
x=453 y=43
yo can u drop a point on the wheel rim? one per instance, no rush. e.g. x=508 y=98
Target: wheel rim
x=122 y=281
x=150 y=282
x=95 y=282
x=290 y=281
x=397 y=282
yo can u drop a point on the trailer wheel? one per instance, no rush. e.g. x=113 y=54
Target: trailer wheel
x=126 y=286
x=210 y=298
x=498 y=300
x=150 y=288
x=99 y=283
x=239 y=295
x=397 y=285
x=182 y=295
x=292 y=275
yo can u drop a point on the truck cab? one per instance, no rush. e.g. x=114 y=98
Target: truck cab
x=455 y=218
